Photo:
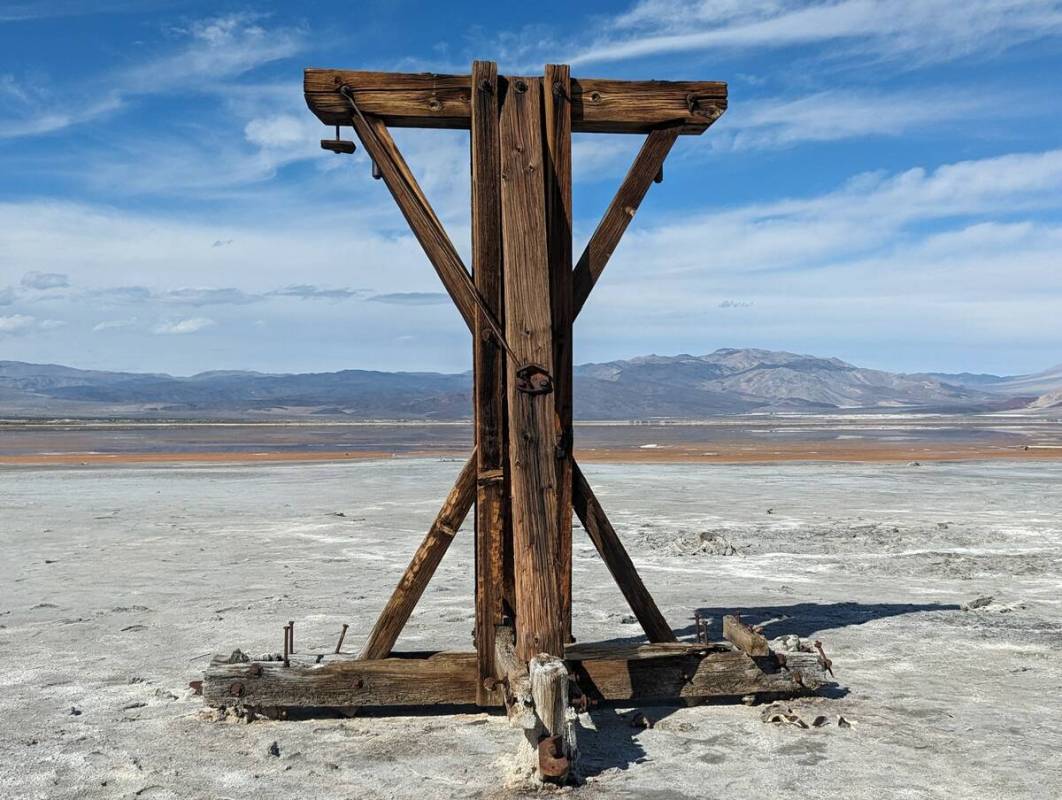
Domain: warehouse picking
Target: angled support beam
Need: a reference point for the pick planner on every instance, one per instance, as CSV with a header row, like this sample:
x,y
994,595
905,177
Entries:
x,y
418,212
423,565
612,552
493,534
646,167
557,106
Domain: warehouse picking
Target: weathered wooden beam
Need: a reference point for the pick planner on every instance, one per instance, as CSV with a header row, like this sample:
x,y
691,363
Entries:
x,y
423,565
554,740
744,638
449,678
558,176
427,100
643,172
441,679
492,506
532,417
515,681
583,651
619,564
414,205
717,674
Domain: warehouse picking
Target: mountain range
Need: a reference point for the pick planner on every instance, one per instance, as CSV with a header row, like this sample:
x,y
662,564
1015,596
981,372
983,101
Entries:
x,y
727,381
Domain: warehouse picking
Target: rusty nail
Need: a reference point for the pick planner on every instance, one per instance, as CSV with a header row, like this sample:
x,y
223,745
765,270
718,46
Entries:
x,y
342,635
823,660
291,636
236,689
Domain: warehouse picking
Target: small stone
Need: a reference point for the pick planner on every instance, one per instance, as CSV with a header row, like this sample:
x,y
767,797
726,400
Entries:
x,y
979,602
628,619
75,711
274,749
819,721
842,722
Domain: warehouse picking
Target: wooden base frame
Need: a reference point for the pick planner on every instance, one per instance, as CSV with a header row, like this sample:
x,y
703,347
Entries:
x,y
519,301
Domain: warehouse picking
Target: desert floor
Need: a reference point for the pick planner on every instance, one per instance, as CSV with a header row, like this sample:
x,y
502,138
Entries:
x,y
118,582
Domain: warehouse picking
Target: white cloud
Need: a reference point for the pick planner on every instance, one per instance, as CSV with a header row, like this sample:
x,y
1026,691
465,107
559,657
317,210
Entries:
x,y
113,324
911,31
280,130
191,325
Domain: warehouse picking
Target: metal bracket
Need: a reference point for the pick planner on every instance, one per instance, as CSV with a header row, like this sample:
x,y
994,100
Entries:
x,y
533,379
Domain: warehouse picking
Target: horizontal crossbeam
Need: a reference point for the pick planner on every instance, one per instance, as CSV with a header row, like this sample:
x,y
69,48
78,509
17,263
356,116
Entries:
x,y
450,678
427,100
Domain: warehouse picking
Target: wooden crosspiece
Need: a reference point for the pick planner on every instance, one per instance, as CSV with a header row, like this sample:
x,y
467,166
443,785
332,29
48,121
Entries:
x,y
519,300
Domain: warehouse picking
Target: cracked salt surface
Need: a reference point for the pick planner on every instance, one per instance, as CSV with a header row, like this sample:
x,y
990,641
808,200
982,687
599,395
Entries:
x,y
874,560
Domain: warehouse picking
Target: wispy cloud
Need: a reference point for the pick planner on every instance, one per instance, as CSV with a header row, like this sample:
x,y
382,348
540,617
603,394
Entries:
x,y
114,325
210,51
18,324
45,280
182,326
411,298
908,31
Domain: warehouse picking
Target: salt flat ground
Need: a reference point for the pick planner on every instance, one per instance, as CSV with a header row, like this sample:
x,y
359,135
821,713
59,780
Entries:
x,y
117,582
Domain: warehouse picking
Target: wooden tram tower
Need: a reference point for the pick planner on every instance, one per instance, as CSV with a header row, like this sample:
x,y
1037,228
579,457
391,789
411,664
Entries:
x,y
519,301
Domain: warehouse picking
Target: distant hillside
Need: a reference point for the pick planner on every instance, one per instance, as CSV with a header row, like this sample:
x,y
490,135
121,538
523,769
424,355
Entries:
x,y
724,382
1050,380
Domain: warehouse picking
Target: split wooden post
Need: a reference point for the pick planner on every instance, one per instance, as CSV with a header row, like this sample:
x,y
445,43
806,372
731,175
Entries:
x,y
528,329
558,174
493,535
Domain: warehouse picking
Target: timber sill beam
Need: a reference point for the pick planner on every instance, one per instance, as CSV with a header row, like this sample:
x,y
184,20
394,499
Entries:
x,y
427,100
450,678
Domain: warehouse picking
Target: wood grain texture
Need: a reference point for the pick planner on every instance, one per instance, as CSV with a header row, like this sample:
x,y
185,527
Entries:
x,y
449,678
426,227
532,418
557,119
492,506
619,564
515,680
427,100
441,679
744,638
583,651
423,565
731,674
647,165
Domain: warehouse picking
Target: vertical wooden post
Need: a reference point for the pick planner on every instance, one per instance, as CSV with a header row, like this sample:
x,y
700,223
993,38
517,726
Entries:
x,y
489,370
529,331
556,100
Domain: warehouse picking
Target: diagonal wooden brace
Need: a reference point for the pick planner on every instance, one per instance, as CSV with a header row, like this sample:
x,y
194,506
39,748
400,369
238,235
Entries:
x,y
612,552
418,212
646,167
423,565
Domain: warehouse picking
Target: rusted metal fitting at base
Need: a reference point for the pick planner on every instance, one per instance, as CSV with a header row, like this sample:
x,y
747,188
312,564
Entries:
x,y
236,689
824,662
533,379
552,763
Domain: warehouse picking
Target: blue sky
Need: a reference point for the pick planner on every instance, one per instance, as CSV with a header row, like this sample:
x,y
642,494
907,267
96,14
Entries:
x,y
886,186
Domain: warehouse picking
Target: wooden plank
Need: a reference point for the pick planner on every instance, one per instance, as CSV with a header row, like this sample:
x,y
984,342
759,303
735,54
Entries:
x,y
449,678
532,417
549,691
744,638
381,148
647,165
427,100
492,508
612,651
423,565
441,679
612,552
558,177
731,674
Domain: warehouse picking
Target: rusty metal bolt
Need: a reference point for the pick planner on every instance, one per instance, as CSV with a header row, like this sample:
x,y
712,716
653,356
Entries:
x,y
236,689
